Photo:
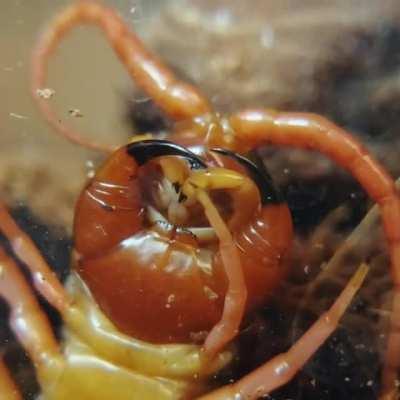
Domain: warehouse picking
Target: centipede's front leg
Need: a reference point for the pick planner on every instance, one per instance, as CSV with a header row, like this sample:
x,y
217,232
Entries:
x,y
177,99
257,127
280,370
235,299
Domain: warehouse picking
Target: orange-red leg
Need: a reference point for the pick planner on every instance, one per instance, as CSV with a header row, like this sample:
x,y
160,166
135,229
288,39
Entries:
x,y
309,131
44,279
27,320
178,99
8,389
283,367
235,299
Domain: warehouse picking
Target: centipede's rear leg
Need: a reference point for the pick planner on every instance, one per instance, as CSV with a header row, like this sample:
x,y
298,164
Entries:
x,y
309,131
177,99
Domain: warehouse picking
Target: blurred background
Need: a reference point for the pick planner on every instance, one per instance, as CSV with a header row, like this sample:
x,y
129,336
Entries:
x,y
340,58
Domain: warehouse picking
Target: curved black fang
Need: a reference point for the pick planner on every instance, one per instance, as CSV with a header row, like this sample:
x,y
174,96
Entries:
x,y
259,174
146,150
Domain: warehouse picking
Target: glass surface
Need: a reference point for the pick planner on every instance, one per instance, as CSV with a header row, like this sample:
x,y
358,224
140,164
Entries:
x,y
339,59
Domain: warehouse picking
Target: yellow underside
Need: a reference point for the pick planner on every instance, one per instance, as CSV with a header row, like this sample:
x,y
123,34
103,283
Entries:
x,y
88,377
101,363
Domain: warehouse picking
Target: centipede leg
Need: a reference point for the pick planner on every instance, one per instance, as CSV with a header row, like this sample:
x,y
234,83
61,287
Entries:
x,y
9,390
44,279
26,319
309,131
235,300
179,100
281,369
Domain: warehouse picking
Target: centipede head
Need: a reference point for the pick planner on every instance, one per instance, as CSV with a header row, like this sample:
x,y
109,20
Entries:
x,y
148,253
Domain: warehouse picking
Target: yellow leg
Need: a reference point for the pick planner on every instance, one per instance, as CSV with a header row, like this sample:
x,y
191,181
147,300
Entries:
x,y
235,299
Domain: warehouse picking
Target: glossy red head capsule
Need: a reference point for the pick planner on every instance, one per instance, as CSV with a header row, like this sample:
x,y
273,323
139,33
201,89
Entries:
x,y
162,280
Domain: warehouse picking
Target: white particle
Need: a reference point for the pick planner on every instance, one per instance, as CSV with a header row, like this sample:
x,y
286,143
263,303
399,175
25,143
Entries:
x,y
171,298
267,37
45,93
281,368
18,116
75,112
210,293
90,169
